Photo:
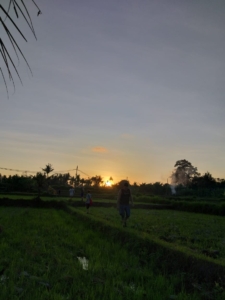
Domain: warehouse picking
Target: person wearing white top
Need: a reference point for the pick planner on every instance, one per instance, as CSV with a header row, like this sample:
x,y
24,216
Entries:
x,y
71,192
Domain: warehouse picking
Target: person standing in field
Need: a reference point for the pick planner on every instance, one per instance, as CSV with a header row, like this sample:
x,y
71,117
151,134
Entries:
x,y
71,192
123,202
88,201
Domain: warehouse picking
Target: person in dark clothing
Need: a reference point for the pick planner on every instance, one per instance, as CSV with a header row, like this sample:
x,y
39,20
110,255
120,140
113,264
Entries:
x,y
123,203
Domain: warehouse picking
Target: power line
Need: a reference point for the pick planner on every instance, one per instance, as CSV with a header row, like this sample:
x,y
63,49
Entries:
x,y
18,170
65,171
84,173
72,170
26,171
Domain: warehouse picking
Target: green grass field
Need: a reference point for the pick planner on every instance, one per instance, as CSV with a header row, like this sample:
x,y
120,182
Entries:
x,y
200,233
40,247
38,260
49,198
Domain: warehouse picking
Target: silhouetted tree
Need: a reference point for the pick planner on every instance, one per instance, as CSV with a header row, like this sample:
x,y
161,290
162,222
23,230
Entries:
x,y
77,180
88,182
48,169
205,181
183,173
40,180
97,180
82,181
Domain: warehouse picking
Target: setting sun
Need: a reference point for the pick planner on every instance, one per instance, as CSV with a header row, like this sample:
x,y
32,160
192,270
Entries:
x,y
108,182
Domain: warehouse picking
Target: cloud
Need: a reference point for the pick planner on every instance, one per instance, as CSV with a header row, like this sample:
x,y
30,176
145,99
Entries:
x,y
99,149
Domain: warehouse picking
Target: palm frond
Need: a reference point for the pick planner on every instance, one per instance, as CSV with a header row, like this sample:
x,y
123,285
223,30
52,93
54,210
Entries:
x,y
8,61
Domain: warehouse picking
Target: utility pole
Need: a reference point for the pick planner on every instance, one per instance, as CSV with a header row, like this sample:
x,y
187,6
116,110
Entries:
x,y
76,176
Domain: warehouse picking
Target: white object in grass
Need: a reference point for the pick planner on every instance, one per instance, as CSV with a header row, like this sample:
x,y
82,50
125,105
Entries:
x,y
84,262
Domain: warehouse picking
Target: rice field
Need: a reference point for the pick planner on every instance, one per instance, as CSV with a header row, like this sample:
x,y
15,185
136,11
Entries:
x,y
199,233
41,253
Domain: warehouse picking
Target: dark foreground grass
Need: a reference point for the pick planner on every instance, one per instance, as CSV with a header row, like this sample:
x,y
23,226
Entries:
x,y
38,260
74,199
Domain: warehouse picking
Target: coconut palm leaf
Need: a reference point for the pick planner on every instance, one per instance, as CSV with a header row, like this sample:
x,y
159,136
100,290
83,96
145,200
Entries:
x,y
5,83
19,7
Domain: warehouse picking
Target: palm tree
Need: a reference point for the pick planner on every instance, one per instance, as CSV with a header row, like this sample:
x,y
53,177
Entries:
x,y
40,180
48,169
19,9
111,179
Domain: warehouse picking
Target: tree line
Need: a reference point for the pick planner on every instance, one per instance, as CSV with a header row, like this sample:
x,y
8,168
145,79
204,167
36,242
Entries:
x,y
184,180
47,182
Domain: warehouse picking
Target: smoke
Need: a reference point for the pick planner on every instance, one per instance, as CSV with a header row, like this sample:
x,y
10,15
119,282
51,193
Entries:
x,y
173,189
179,176
182,175
172,183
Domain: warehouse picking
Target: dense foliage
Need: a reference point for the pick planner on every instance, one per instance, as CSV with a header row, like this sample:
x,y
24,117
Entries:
x,y
200,186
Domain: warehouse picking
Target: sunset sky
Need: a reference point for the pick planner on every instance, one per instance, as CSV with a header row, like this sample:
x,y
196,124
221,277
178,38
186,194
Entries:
x,y
119,88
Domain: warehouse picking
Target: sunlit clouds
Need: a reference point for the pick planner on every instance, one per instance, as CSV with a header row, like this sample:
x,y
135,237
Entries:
x,y
99,149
